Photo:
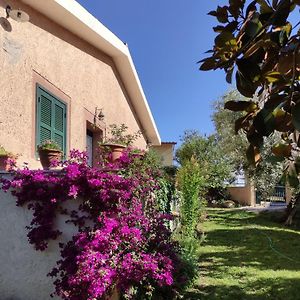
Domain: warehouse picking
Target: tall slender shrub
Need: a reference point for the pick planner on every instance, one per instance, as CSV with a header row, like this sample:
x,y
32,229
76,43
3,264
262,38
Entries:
x,y
189,181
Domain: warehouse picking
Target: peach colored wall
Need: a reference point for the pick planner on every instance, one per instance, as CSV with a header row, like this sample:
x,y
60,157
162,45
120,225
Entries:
x,y
166,153
79,71
243,195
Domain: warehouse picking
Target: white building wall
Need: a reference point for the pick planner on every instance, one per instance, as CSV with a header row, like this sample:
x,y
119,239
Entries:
x,y
23,270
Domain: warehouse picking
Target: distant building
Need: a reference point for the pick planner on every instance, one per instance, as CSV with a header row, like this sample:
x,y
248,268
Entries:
x,y
166,152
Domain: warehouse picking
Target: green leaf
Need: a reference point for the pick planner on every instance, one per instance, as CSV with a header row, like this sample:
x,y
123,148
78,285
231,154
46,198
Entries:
x,y
208,64
296,116
264,122
255,139
252,28
285,34
283,120
274,101
240,105
224,38
218,28
282,13
250,70
244,86
222,14
265,8
212,13
255,47
273,76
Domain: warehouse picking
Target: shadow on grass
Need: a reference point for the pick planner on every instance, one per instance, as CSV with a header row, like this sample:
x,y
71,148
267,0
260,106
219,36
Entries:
x,y
237,261
263,289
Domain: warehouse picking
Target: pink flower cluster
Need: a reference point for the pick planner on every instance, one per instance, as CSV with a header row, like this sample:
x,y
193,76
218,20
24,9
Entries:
x,y
122,241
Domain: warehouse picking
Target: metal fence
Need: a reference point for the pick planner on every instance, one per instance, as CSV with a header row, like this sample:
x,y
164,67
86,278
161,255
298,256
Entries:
x,y
278,196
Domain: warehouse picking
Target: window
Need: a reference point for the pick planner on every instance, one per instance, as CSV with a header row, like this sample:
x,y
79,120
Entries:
x,y
94,135
89,146
51,114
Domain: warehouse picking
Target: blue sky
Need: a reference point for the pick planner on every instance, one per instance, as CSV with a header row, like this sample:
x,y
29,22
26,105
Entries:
x,y
166,39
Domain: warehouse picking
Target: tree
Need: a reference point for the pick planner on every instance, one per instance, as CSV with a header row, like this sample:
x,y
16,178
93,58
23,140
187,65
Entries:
x,y
233,145
215,167
268,173
258,42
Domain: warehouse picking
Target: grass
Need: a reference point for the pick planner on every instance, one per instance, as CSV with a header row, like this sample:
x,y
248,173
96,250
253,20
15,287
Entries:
x,y
237,262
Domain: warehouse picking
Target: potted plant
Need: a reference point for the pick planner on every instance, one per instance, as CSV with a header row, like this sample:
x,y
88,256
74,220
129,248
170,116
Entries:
x,y
118,140
4,159
50,153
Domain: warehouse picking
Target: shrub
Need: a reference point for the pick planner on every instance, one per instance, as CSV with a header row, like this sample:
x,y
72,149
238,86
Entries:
x,y
190,182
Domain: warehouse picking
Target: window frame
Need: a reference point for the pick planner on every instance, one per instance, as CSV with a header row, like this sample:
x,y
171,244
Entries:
x,y
39,89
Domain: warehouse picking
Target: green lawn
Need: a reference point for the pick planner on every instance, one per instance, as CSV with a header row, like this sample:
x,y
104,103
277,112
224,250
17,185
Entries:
x,y
237,262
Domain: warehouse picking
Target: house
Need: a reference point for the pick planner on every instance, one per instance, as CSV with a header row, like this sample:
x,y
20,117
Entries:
x,y
165,151
59,71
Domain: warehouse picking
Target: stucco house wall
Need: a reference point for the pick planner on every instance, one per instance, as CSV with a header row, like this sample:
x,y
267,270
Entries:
x,y
40,51
24,270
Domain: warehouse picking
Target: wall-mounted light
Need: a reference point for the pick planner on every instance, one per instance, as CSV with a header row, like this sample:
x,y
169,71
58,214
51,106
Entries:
x,y
16,14
98,114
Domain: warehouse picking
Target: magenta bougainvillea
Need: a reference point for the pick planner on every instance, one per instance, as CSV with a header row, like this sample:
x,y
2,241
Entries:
x,y
122,241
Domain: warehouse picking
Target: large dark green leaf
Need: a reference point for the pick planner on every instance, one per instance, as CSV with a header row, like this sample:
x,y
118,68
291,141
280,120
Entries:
x,y
275,100
264,122
221,14
296,116
252,28
250,70
264,7
255,139
235,6
224,38
283,120
282,13
240,105
208,64
244,86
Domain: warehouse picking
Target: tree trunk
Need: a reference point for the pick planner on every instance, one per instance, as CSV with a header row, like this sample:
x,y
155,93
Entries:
x,y
291,210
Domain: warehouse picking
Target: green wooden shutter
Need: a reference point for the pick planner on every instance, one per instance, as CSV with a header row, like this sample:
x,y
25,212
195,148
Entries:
x,y
51,119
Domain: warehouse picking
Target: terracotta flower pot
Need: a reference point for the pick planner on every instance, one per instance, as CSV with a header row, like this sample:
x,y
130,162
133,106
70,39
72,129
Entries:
x,y
48,156
4,166
116,151
115,295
